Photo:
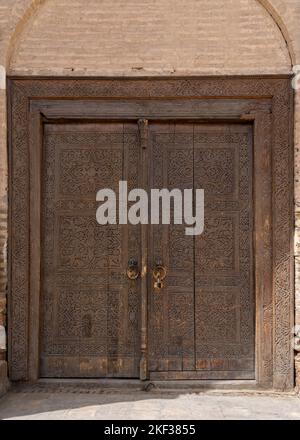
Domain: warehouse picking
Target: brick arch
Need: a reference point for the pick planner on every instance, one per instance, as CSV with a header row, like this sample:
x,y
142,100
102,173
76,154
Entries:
x,y
19,20
273,11
32,7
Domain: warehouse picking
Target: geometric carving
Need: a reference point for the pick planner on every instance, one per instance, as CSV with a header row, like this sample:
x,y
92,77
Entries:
x,y
82,171
216,169
217,248
83,245
218,319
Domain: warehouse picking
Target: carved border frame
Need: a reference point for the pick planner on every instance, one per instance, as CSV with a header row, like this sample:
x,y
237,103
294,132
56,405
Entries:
x,y
276,314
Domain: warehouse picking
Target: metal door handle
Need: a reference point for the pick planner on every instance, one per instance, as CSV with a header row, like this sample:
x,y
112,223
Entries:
x,y
159,274
132,270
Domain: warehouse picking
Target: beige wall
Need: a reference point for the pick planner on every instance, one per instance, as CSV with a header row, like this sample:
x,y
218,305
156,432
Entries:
x,y
150,37
144,37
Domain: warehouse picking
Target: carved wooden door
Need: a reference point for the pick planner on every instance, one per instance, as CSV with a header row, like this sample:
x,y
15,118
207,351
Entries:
x,y
201,322
90,309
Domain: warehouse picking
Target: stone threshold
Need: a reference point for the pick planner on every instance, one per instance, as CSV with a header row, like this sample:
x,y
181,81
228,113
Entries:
x,y
99,386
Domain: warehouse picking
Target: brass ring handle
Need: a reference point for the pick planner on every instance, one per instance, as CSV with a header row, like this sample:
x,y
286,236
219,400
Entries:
x,y
132,270
159,274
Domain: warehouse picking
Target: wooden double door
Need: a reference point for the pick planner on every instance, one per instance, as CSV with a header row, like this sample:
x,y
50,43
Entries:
x,y
95,321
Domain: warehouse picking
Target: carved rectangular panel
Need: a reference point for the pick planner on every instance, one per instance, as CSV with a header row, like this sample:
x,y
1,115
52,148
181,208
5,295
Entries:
x,y
202,321
90,310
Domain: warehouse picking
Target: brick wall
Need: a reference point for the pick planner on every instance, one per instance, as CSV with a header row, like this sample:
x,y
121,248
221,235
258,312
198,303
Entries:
x,y
144,37
150,37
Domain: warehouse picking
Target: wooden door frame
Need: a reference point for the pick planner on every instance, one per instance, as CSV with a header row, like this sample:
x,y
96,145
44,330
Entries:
x,y
266,101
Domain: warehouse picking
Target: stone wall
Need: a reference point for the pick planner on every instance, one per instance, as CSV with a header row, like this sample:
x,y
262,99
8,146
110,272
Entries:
x,y
144,37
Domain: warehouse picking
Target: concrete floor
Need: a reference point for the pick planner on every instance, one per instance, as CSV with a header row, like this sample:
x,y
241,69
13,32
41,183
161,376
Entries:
x,y
159,405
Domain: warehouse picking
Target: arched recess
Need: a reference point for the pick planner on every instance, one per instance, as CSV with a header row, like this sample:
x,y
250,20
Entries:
x,y
34,7
278,19
30,7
